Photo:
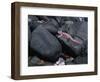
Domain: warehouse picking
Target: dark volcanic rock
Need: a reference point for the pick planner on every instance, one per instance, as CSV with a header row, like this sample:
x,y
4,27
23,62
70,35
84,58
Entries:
x,y
67,49
45,44
50,27
79,32
35,61
32,25
46,22
81,60
29,35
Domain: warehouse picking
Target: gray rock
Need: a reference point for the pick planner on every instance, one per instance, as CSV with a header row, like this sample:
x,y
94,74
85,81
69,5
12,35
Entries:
x,y
35,61
29,35
81,60
45,44
32,18
46,22
50,27
32,25
79,32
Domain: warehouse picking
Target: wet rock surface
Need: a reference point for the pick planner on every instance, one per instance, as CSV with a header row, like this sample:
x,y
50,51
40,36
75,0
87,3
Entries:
x,y
46,48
